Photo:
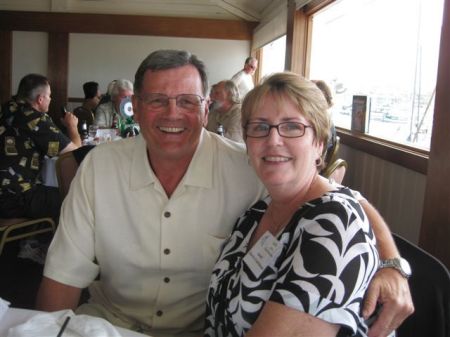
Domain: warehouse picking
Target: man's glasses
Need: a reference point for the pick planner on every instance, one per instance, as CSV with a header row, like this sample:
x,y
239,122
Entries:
x,y
188,102
285,129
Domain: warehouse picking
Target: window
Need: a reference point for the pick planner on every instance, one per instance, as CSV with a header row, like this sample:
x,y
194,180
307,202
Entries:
x,y
273,55
387,51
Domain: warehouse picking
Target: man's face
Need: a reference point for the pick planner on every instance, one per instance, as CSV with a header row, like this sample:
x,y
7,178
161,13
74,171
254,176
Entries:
x,y
44,99
219,96
171,133
251,67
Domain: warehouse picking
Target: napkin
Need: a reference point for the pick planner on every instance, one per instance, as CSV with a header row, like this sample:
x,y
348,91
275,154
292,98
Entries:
x,y
3,307
49,324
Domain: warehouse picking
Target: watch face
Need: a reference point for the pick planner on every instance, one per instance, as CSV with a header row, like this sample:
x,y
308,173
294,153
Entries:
x,y
404,265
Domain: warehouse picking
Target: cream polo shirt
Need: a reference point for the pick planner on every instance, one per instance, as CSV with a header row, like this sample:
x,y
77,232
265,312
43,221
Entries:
x,y
244,82
154,254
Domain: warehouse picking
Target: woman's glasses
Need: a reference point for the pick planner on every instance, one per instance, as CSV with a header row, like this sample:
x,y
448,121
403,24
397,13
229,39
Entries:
x,y
285,129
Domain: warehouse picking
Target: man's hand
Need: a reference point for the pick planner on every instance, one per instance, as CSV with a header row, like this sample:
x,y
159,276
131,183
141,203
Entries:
x,y
390,289
69,120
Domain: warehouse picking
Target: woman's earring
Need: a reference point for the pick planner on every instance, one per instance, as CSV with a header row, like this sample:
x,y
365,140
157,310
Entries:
x,y
319,162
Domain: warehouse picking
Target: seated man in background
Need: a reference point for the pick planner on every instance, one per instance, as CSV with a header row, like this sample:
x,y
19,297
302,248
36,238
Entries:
x,y
27,135
85,112
107,114
150,213
225,110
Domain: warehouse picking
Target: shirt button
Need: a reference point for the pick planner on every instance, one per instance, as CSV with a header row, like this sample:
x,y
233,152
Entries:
x,y
159,313
166,279
167,251
167,214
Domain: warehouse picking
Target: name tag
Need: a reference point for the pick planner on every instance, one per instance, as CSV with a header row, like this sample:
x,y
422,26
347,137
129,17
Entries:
x,y
263,254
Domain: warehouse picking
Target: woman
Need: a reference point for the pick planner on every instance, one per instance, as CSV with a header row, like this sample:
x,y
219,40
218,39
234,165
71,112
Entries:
x,y
298,262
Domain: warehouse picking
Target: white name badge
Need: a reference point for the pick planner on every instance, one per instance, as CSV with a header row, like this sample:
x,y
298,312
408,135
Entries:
x,y
263,253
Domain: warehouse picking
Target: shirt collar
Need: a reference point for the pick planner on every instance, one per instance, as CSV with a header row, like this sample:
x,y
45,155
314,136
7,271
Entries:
x,y
199,173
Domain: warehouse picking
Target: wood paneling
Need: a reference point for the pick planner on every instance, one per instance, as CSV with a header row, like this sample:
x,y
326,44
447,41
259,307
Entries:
x,y
127,25
58,67
435,231
296,40
5,65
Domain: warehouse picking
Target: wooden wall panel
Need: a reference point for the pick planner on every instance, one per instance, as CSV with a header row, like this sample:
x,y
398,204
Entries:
x,y
435,231
127,25
58,58
5,65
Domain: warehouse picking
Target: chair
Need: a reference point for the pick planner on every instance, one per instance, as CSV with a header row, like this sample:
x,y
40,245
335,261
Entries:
x,y
66,168
430,289
335,167
20,228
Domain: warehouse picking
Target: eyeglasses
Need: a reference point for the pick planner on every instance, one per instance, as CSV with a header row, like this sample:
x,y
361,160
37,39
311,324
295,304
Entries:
x,y
285,129
188,102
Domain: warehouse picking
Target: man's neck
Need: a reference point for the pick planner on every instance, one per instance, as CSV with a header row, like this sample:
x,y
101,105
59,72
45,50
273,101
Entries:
x,y
169,172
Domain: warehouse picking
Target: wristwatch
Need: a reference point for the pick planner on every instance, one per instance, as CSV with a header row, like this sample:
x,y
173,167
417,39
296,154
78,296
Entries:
x,y
399,264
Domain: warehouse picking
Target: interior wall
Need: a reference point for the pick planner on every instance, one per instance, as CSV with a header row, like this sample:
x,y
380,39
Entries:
x,y
397,192
104,57
29,55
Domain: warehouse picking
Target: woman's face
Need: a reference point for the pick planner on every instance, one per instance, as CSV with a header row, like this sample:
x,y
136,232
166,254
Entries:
x,y
279,161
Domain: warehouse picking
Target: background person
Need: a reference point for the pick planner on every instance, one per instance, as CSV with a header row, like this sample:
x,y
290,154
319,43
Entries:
x,y
149,213
85,112
322,250
225,110
244,78
27,136
107,114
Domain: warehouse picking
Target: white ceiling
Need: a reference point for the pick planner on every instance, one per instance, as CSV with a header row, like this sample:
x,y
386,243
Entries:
x,y
249,10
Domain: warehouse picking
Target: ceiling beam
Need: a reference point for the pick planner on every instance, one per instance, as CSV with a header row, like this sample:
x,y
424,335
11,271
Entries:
x,y
235,9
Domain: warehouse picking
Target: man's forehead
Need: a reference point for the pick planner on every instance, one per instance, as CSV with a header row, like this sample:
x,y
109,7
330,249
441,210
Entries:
x,y
178,76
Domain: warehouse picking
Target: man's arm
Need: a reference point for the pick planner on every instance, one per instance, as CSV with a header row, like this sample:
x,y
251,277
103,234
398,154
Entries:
x,y
70,121
54,296
388,287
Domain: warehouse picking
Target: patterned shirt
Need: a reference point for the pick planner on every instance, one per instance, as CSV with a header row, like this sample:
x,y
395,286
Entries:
x,y
327,260
26,137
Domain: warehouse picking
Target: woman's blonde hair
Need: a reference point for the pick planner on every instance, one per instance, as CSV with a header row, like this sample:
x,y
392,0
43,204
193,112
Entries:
x,y
302,92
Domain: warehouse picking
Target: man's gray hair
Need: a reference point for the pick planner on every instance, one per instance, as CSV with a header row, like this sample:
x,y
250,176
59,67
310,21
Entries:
x,y
123,84
232,90
169,59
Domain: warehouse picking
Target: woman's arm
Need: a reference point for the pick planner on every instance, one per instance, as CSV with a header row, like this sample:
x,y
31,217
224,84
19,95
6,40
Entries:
x,y
388,287
279,320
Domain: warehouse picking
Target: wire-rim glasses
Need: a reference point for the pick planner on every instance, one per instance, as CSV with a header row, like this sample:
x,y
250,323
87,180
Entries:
x,y
157,102
285,129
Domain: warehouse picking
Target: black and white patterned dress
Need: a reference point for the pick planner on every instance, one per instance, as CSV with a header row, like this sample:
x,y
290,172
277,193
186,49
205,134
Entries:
x,y
327,261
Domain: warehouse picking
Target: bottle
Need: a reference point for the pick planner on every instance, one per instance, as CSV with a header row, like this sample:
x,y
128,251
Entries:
x,y
84,133
220,130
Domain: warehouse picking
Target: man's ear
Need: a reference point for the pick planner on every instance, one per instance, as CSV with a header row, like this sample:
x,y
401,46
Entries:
x,y
135,102
205,117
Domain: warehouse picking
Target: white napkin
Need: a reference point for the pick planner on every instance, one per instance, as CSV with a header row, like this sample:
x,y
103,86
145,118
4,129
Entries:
x,y
49,324
4,305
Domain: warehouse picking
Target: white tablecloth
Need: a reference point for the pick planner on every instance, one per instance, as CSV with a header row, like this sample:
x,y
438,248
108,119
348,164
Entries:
x,y
15,316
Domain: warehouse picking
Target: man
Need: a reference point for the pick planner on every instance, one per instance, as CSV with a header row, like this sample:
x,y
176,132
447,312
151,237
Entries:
x,y
150,213
27,135
85,112
225,110
244,78
107,114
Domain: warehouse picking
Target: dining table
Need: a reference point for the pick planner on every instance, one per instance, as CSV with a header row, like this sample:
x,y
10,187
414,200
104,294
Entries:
x,y
16,316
